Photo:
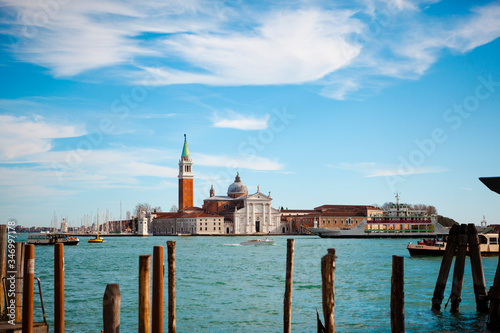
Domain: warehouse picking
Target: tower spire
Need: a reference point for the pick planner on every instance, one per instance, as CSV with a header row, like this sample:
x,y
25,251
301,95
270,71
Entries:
x,y
185,150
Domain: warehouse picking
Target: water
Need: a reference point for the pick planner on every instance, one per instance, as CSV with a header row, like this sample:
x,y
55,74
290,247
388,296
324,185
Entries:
x,y
224,287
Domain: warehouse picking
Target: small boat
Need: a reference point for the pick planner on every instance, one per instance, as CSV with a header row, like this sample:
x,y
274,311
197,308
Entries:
x,y
51,239
488,245
97,239
264,241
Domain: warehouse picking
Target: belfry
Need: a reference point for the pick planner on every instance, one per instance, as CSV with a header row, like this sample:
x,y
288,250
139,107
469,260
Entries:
x,y
185,178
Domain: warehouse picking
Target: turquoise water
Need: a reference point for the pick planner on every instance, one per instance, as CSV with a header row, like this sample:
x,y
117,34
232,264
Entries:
x,y
224,287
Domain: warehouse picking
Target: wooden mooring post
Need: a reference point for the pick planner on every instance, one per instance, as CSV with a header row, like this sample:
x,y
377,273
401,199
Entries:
x,y
287,302
477,270
171,286
328,289
20,248
158,271
59,288
111,308
3,253
28,288
397,295
494,296
145,293
444,271
458,272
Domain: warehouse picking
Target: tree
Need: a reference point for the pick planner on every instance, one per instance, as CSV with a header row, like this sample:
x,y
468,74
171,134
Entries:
x,y
446,221
173,209
142,207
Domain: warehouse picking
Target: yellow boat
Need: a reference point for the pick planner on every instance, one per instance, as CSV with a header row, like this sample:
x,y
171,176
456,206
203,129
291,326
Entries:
x,y
97,239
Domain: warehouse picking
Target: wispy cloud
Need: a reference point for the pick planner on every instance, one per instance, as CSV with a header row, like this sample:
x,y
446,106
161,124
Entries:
x,y
231,119
21,136
372,169
399,172
335,48
244,161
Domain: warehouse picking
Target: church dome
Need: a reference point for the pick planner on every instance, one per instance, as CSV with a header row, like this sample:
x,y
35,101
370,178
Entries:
x,y
237,188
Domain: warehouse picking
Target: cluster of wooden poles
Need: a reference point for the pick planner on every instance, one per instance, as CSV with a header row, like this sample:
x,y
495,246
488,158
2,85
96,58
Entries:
x,y
463,240
151,312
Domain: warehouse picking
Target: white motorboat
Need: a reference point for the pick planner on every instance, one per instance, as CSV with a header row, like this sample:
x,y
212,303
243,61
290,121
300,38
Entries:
x,y
264,241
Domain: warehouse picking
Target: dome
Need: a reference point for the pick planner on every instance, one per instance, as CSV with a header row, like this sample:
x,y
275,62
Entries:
x,y
237,188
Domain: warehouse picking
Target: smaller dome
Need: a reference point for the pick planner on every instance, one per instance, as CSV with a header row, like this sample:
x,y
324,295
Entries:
x,y
237,188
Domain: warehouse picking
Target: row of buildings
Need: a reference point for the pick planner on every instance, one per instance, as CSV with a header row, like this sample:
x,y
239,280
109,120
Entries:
x,y
240,213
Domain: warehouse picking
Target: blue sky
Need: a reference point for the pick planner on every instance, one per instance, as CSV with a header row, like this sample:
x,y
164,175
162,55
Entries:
x,y
317,102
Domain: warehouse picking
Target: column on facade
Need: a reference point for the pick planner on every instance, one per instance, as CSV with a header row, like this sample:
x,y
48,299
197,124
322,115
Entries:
x,y
252,225
264,223
248,219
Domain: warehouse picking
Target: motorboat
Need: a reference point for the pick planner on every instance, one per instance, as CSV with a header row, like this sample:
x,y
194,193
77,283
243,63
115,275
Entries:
x,y
97,239
264,241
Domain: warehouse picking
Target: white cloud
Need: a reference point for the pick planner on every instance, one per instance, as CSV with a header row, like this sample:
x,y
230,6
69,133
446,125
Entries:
x,y
22,136
372,169
238,121
216,43
400,172
244,161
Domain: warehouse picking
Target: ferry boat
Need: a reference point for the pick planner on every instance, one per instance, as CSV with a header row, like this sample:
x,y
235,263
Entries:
x,y
396,221
51,239
488,245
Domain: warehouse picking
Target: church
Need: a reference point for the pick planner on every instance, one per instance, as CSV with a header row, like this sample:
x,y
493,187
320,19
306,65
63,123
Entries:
x,y
237,213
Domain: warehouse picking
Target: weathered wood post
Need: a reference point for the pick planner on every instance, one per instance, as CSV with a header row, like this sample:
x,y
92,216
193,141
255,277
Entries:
x,y
494,296
328,289
397,295
158,271
477,270
145,293
59,288
458,272
111,308
20,249
444,271
14,281
3,252
28,288
171,286
287,303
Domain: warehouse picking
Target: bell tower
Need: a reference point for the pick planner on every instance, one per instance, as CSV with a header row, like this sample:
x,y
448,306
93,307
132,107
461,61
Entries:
x,y
185,178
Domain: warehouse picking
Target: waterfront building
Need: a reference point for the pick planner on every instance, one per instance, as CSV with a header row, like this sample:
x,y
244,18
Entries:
x,y
330,216
142,225
64,226
238,212
249,213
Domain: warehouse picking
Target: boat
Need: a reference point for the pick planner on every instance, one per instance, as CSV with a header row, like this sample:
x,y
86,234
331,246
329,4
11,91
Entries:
x,y
396,221
97,239
488,245
51,239
264,241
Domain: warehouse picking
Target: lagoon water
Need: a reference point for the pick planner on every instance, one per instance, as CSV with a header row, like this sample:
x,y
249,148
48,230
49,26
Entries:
x,y
222,286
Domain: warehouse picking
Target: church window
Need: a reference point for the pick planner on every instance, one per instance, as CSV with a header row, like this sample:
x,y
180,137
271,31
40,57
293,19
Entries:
x,y
341,221
328,221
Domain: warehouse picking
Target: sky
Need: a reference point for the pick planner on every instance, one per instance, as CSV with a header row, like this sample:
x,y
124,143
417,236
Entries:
x,y
317,102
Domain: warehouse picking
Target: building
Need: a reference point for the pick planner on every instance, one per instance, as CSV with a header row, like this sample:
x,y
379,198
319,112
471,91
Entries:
x,y
235,213
329,216
185,178
248,213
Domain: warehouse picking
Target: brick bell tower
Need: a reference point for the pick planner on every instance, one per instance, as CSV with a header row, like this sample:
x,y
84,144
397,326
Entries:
x,y
185,178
